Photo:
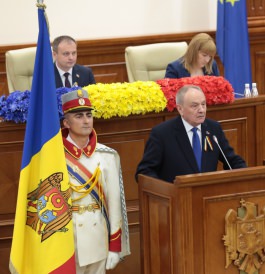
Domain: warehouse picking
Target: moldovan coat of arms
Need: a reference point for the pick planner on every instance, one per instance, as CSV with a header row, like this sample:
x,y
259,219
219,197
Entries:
x,y
244,239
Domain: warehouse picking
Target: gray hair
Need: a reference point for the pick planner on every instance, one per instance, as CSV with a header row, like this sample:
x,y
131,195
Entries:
x,y
183,90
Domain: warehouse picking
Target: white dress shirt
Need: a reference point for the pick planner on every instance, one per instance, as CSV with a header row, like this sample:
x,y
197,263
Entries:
x,y
189,128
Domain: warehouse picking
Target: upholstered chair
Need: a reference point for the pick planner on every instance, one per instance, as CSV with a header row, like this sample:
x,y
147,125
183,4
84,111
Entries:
x,y
149,62
19,68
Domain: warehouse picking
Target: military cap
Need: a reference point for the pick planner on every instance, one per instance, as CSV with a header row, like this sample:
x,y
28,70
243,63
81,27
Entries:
x,y
76,100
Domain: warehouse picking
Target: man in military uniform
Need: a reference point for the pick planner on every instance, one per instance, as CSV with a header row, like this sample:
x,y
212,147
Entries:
x,y
99,212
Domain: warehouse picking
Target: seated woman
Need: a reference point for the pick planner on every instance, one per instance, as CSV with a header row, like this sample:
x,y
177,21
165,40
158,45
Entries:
x,y
198,59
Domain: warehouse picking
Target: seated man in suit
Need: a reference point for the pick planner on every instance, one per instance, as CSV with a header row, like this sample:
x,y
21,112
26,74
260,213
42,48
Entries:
x,y
170,150
67,72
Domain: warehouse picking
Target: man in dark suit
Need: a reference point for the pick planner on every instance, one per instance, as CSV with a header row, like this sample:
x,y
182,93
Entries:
x,y
169,152
67,72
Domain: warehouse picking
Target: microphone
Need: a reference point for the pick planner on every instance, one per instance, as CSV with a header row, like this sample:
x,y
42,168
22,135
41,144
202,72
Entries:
x,y
216,141
239,94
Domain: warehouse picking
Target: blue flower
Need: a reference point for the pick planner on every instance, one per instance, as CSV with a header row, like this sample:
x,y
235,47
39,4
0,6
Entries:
x,y
14,107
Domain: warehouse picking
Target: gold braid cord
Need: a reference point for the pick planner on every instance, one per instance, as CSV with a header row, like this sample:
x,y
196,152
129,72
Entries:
x,y
81,188
43,6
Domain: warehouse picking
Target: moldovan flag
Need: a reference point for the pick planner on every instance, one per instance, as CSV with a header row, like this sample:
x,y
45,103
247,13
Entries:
x,y
233,43
43,239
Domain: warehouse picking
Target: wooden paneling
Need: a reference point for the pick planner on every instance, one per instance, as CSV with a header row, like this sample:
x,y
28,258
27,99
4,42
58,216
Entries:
x,y
107,60
259,60
195,208
242,121
110,73
256,8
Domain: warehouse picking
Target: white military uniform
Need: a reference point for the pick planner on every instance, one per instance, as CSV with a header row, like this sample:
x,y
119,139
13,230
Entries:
x,y
92,240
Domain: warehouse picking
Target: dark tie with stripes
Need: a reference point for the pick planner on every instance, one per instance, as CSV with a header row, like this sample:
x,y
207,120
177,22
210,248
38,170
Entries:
x,y
67,83
196,145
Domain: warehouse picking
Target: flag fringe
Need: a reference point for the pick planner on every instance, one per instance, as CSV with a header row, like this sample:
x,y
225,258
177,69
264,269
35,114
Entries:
x,y
12,268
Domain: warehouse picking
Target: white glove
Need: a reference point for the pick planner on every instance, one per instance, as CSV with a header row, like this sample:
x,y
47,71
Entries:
x,y
112,260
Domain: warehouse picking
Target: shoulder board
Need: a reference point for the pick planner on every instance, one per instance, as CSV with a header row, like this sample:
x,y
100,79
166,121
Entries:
x,y
106,149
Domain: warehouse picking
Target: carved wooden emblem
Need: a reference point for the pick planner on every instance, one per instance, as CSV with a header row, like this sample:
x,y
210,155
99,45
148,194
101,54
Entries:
x,y
244,239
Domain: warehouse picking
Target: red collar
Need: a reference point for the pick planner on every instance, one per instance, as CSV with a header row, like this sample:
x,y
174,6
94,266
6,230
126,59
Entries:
x,y
74,150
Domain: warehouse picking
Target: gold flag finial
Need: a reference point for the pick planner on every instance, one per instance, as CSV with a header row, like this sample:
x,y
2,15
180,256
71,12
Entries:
x,y
40,4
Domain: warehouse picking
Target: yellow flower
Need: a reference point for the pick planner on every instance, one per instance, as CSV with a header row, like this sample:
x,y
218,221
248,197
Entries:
x,y
124,99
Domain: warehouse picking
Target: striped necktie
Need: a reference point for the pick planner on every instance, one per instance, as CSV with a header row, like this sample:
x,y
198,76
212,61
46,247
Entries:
x,y
67,82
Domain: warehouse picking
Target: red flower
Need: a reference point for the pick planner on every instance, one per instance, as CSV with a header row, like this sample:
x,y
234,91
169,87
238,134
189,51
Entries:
x,y
217,90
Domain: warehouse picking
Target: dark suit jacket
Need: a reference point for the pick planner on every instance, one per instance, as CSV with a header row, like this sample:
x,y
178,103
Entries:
x,y
177,70
169,153
83,76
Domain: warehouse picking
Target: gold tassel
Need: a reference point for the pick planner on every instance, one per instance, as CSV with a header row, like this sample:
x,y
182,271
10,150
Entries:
x,y
81,189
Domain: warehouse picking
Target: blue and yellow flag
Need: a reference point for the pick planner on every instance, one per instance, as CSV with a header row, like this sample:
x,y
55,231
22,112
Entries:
x,y
43,239
233,43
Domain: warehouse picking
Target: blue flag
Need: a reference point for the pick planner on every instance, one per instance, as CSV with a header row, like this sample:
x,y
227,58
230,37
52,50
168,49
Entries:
x,y
43,229
233,43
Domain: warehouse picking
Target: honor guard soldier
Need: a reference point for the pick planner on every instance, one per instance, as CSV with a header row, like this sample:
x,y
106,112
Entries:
x,y
99,211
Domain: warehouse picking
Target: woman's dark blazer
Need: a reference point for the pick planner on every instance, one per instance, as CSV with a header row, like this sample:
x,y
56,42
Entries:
x,y
177,70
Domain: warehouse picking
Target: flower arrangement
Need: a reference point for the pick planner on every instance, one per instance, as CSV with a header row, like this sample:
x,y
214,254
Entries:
x,y
124,99
15,106
217,90
109,100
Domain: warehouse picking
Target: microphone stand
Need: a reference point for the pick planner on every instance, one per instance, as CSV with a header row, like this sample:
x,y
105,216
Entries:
x,y
216,141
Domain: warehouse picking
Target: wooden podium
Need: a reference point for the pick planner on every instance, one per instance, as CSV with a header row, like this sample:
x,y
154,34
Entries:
x,y
183,224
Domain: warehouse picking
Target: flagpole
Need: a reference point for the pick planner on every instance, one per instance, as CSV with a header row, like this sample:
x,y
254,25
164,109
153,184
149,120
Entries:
x,y
41,5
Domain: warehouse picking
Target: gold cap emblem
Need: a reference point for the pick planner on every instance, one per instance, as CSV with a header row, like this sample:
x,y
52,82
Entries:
x,y
81,101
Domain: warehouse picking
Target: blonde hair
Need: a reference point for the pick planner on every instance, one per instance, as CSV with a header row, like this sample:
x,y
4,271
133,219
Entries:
x,y
200,42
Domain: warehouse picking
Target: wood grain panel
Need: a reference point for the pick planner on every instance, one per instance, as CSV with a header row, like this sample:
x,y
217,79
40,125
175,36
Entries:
x,y
5,245
133,149
206,198
260,133
255,8
159,215
236,133
157,208
10,161
214,211
260,68
110,73
184,245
